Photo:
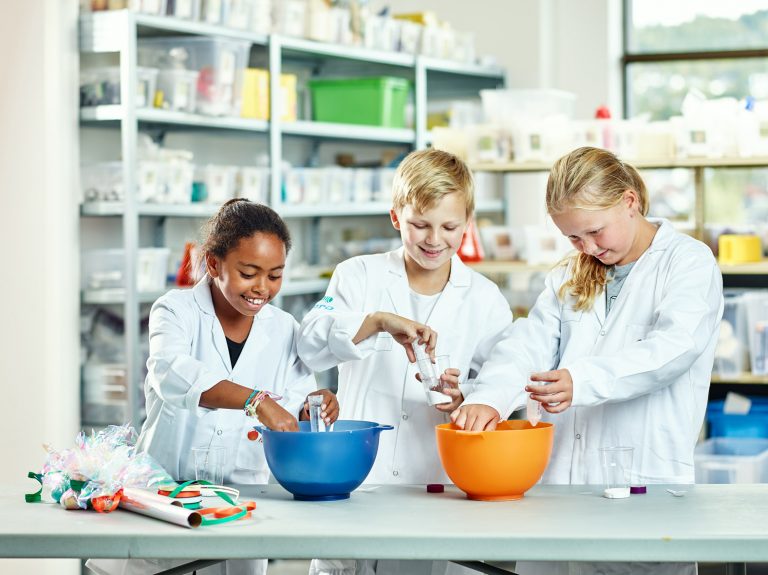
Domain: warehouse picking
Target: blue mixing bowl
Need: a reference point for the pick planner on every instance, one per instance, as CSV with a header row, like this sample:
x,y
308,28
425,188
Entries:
x,y
322,466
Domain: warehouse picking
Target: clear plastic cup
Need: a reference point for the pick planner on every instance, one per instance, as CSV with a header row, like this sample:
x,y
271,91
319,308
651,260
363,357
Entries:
x,y
617,470
430,377
316,422
209,463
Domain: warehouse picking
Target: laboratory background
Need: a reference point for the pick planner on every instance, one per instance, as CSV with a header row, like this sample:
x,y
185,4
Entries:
x,y
104,189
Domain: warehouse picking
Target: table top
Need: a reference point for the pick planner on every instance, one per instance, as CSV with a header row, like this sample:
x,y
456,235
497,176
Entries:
x,y
727,523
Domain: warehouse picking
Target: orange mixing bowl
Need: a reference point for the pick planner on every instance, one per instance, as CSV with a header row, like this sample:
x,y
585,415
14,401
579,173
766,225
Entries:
x,y
495,465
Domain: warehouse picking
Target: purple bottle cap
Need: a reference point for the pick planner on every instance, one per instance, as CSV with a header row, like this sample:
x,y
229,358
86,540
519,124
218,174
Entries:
x,y
637,489
435,488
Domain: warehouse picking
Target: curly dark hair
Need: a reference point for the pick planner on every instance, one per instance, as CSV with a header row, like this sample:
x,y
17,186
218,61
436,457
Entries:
x,y
237,219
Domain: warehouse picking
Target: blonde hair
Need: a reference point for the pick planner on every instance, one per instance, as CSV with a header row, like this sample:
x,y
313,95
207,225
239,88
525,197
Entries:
x,y
590,179
425,176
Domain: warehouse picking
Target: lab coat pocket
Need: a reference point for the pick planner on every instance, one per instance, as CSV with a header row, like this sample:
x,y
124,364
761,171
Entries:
x,y
636,332
384,342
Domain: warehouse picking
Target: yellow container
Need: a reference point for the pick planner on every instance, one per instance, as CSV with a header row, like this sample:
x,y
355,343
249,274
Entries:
x,y
739,249
256,95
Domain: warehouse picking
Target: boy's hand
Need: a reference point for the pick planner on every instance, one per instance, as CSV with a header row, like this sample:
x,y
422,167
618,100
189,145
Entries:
x,y
406,331
329,408
273,416
558,391
476,417
450,387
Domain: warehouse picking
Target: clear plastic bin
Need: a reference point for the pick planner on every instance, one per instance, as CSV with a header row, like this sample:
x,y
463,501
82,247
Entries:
x,y
103,269
219,182
731,460
507,106
178,89
186,9
220,63
101,87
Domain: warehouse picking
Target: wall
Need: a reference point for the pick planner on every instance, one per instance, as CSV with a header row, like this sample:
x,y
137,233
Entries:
x,y
39,341
574,46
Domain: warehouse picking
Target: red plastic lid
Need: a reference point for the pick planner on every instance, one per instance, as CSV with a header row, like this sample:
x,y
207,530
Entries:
x,y
435,488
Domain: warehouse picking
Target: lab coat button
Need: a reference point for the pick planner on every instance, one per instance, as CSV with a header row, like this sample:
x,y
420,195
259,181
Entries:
x,y
218,432
395,473
602,332
405,417
578,436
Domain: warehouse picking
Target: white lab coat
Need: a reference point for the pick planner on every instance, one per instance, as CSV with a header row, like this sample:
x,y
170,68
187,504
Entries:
x,y
640,375
377,383
188,355
376,380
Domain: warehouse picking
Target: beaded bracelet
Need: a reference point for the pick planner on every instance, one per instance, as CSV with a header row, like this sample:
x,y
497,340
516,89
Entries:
x,y
252,405
250,397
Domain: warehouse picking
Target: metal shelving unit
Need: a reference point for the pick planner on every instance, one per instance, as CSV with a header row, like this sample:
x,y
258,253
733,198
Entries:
x,y
118,32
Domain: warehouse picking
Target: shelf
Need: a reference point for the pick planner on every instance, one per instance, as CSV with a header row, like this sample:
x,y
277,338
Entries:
x,y
155,116
348,132
461,68
506,267
104,32
667,163
197,210
116,296
341,210
746,378
291,46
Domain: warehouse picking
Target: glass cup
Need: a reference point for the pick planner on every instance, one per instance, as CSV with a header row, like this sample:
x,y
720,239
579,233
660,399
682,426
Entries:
x,y
430,378
209,463
617,469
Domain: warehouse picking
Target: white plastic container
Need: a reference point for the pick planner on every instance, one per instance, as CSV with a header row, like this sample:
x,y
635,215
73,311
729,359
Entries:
x,y
252,183
732,460
179,89
103,269
219,182
186,9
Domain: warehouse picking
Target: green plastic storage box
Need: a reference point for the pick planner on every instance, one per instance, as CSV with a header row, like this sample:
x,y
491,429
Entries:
x,y
375,101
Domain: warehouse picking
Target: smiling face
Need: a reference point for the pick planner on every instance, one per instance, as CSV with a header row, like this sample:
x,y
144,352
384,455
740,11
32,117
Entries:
x,y
609,235
249,276
432,237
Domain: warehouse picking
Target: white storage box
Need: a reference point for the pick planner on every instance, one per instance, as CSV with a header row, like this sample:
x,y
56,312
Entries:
x,y
732,460
103,269
178,89
187,9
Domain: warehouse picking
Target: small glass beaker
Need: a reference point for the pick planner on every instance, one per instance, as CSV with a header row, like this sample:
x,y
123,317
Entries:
x,y
209,463
617,470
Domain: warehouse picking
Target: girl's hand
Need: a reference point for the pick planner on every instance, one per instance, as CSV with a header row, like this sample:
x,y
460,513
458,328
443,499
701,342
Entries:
x,y
450,386
558,391
477,417
406,331
329,408
275,417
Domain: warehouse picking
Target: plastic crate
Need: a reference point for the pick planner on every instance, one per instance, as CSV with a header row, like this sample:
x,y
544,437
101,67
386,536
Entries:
x,y
731,460
752,424
103,269
375,101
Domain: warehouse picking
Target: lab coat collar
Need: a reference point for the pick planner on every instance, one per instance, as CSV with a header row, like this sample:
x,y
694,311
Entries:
x,y
202,294
460,273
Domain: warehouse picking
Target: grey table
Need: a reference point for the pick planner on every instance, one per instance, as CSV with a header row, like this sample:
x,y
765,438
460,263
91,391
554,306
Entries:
x,y
711,523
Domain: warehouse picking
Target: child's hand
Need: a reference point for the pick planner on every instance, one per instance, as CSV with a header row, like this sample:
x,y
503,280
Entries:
x,y
406,331
329,407
275,417
450,386
558,391
476,417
